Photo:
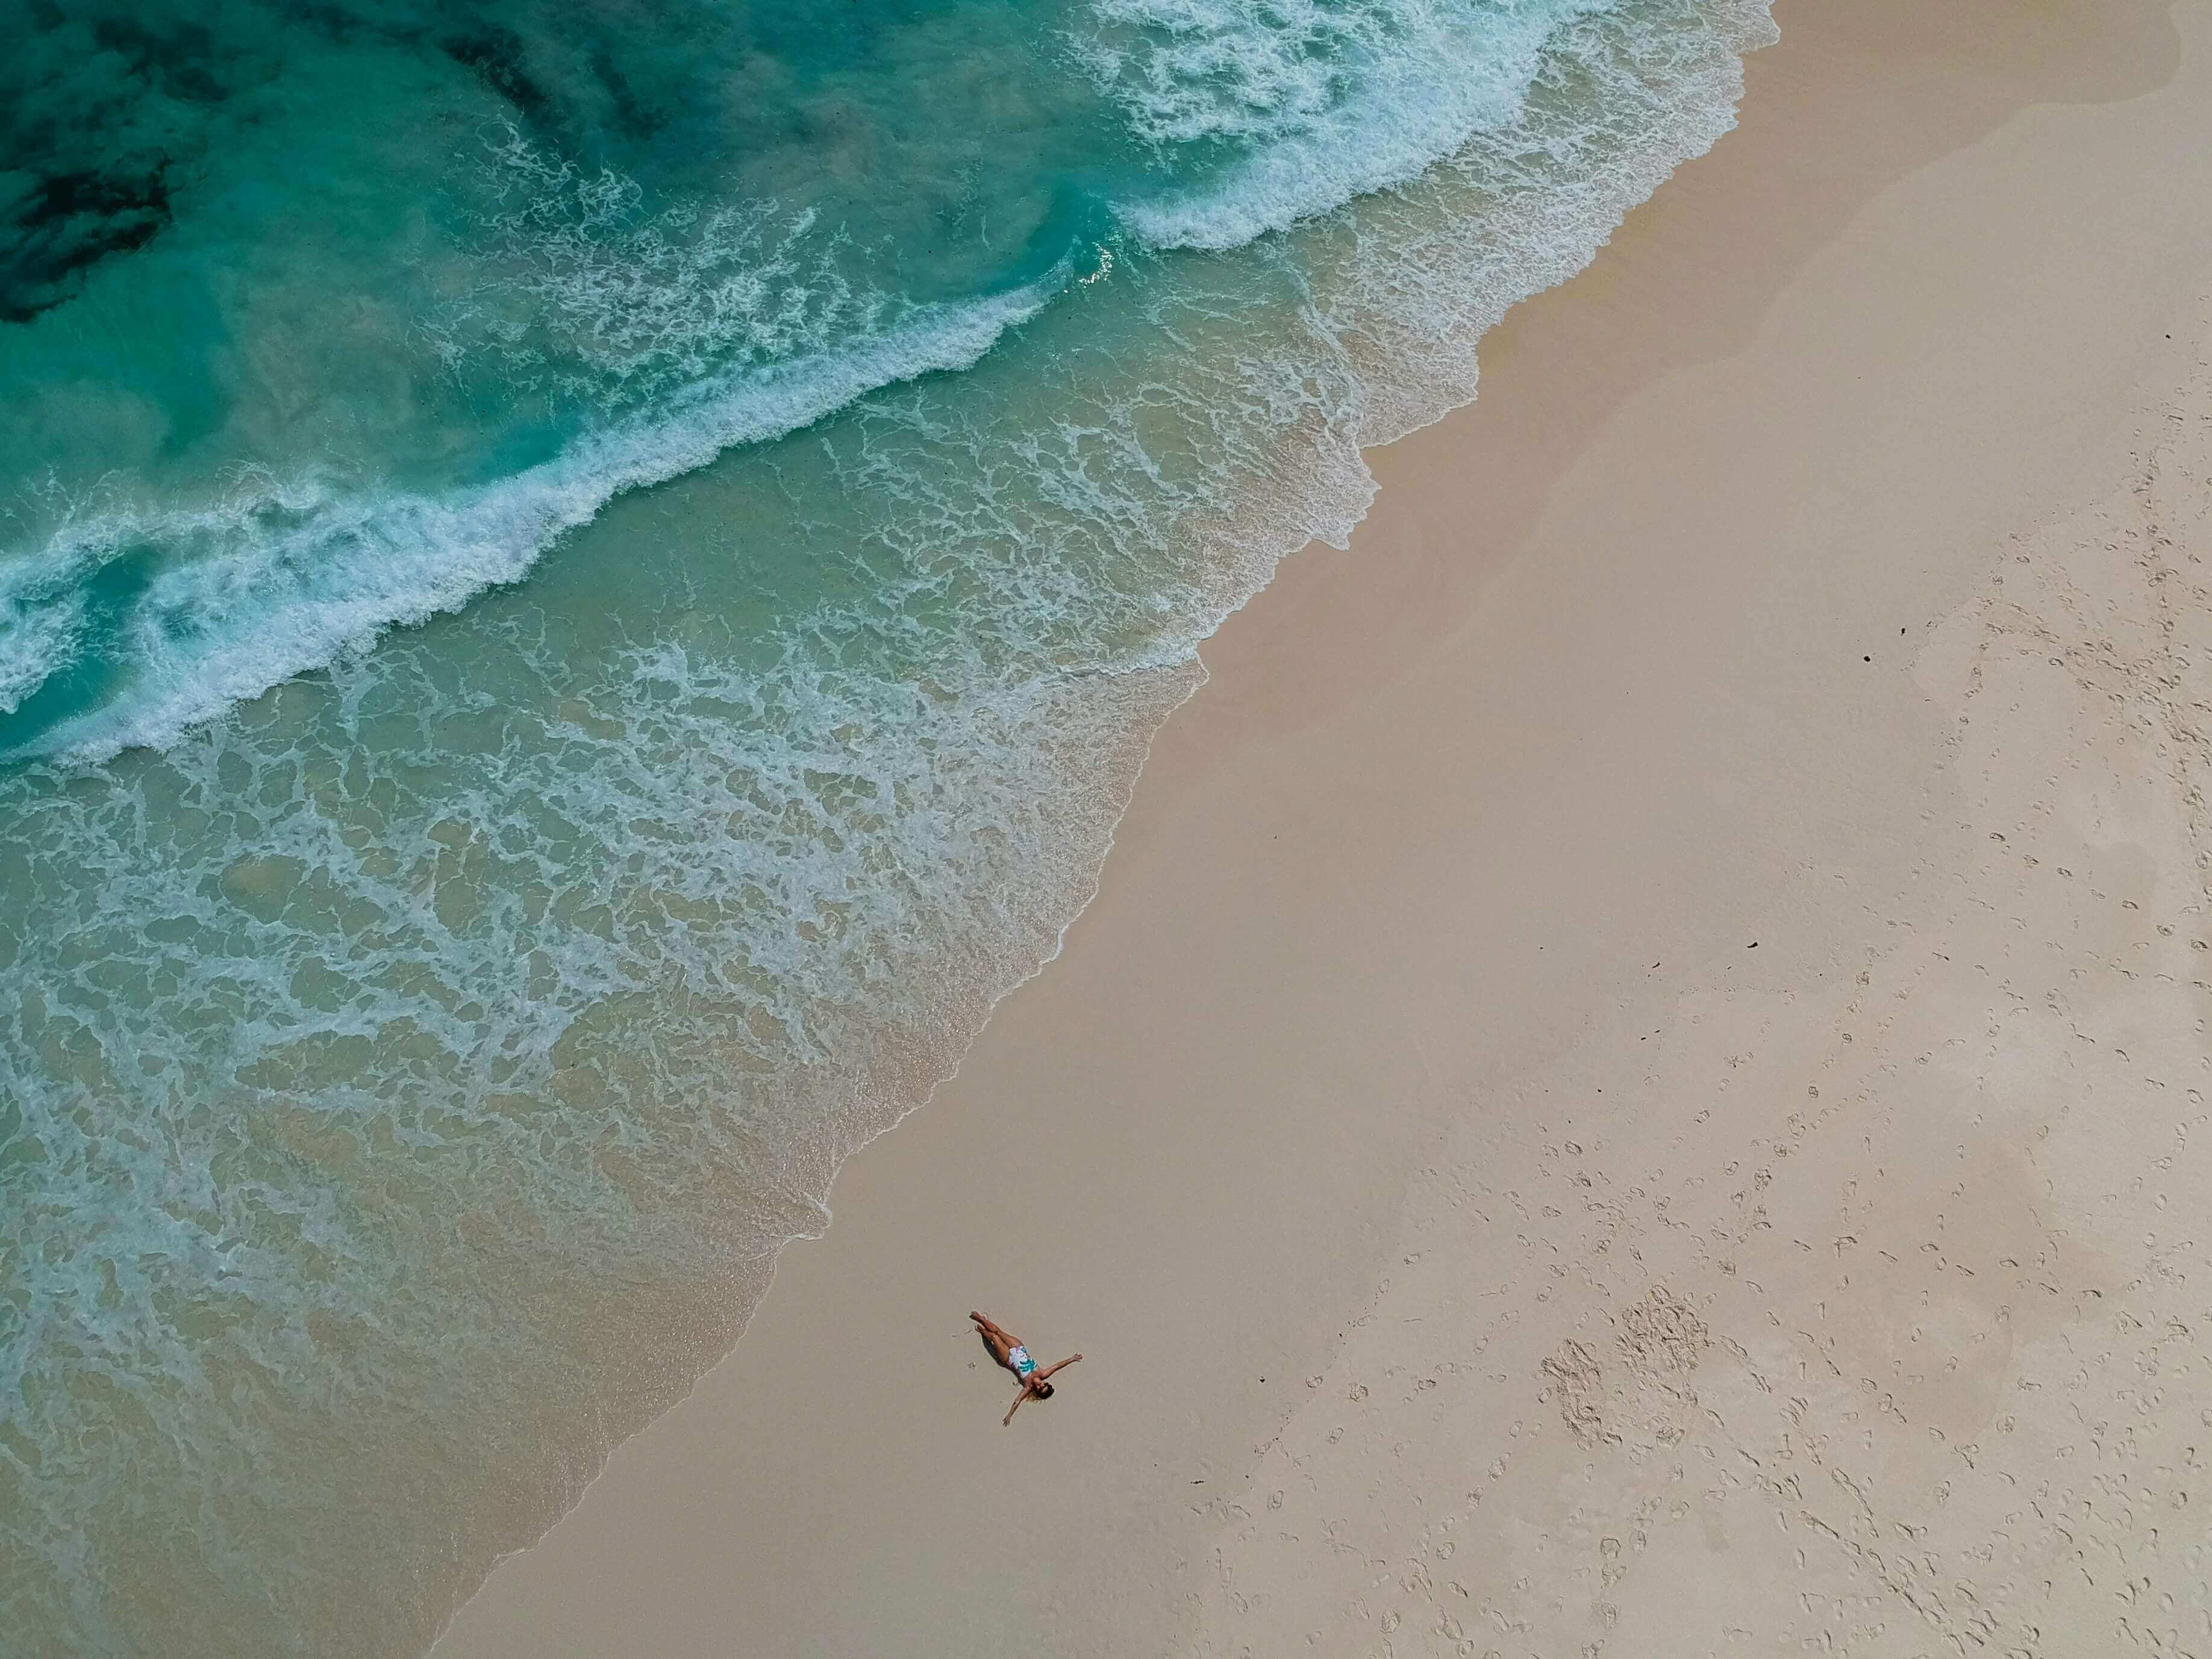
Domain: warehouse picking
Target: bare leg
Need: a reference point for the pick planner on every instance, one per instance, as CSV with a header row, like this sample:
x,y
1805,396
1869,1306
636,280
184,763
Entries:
x,y
1000,1342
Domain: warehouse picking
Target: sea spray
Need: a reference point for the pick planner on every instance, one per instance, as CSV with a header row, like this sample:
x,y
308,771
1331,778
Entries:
x,y
288,576
407,1075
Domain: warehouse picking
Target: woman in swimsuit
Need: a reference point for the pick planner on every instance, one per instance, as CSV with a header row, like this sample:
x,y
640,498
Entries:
x,y
1009,1352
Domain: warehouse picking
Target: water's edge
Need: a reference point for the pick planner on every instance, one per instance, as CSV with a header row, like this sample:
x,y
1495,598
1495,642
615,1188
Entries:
x,y
1196,684
410,1077
1415,413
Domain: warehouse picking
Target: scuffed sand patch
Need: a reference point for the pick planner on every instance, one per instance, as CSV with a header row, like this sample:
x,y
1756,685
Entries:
x,y
1869,1319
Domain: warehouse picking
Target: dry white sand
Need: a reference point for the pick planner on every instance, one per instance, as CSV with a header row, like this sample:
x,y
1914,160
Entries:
x,y
1638,1082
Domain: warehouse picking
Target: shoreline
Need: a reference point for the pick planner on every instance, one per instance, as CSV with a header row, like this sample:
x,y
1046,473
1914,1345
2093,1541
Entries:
x,y
1198,1206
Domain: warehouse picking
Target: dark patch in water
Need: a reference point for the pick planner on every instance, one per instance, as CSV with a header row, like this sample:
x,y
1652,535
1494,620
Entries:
x,y
108,106
494,56
97,109
65,223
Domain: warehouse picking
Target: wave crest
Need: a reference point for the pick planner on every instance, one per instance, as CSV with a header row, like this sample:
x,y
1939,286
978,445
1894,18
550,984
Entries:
x,y
288,576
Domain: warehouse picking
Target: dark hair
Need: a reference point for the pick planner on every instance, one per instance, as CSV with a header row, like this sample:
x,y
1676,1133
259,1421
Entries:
x,y
1044,1391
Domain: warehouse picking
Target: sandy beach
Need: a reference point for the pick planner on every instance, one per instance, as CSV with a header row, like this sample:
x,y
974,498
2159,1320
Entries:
x,y
1637,1081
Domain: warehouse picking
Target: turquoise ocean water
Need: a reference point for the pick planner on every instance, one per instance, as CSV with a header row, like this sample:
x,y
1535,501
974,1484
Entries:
x,y
582,583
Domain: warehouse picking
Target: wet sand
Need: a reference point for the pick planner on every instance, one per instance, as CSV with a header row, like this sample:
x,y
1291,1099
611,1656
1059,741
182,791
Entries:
x,y
1636,1083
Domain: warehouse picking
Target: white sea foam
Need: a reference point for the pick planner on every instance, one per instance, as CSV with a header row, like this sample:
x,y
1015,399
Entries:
x,y
536,984
726,327
1324,103
621,304
41,621
294,575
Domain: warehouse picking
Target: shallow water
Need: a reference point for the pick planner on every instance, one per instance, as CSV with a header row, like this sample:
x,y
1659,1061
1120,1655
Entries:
x,y
580,590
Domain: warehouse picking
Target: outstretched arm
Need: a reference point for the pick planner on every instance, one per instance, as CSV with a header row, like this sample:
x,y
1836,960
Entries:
x,y
1063,1365
1015,1406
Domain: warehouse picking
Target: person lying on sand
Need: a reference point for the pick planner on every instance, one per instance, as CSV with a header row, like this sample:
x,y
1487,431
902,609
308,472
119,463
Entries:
x,y
1008,1350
